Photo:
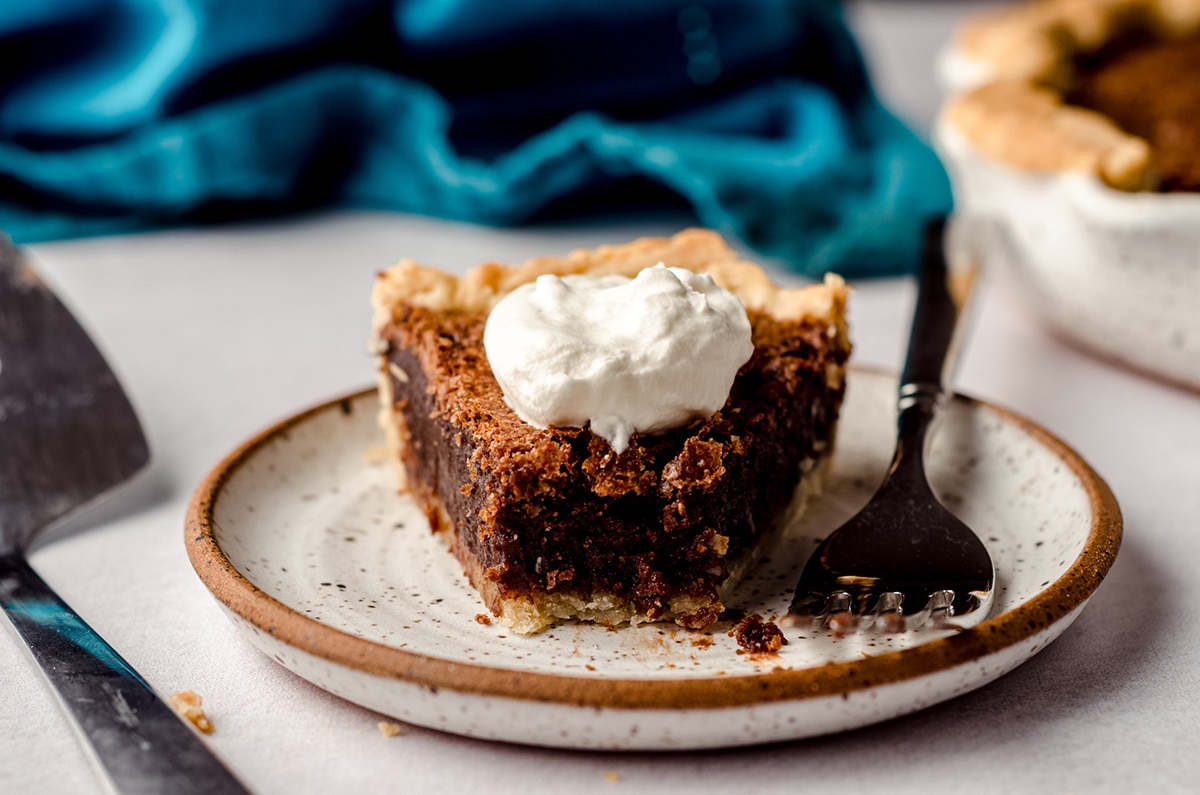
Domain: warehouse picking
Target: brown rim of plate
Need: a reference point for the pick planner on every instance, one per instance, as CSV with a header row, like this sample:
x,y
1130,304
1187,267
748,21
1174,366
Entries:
x,y
1070,591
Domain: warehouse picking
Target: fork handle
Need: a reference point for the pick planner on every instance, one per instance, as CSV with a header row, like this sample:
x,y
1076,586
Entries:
x,y
141,745
935,319
942,296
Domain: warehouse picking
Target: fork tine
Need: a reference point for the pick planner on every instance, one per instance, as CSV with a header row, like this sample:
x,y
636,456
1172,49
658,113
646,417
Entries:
x,y
842,622
837,614
941,607
936,608
808,606
884,614
839,602
819,610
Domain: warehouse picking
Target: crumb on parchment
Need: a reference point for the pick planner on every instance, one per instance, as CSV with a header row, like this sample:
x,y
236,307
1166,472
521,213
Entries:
x,y
189,704
612,777
390,729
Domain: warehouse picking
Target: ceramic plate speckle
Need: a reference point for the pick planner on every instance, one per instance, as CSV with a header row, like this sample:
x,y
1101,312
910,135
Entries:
x,y
301,537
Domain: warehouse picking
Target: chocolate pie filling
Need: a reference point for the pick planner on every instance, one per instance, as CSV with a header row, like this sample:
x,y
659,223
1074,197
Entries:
x,y
1151,89
555,511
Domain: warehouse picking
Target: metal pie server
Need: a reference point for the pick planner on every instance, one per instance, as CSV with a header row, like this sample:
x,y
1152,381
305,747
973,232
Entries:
x,y
68,434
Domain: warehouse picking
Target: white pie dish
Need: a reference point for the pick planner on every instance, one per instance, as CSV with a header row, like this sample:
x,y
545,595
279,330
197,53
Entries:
x,y
1114,271
1117,271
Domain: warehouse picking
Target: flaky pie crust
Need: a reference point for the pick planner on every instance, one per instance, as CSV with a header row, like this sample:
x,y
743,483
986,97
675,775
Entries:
x,y
698,250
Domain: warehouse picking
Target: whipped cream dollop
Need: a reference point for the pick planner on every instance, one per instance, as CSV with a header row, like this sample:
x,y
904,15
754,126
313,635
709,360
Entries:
x,y
639,355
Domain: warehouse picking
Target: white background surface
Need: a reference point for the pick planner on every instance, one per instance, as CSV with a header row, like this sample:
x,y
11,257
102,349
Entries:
x,y
219,333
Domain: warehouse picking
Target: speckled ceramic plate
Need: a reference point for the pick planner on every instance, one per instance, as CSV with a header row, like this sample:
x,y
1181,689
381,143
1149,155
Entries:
x,y
300,535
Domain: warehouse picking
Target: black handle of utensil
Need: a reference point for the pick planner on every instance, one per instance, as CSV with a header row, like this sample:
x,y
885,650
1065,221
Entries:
x,y
139,743
932,352
935,317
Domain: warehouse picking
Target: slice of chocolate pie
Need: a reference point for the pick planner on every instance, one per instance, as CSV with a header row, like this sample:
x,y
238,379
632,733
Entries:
x,y
553,523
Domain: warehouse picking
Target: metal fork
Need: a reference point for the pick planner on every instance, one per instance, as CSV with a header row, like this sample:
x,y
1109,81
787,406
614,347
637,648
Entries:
x,y
904,560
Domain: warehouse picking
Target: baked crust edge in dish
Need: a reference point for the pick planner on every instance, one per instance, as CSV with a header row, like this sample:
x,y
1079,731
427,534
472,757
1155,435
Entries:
x,y
1027,53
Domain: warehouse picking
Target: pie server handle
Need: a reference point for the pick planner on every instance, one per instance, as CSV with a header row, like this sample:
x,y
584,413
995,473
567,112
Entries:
x,y
137,739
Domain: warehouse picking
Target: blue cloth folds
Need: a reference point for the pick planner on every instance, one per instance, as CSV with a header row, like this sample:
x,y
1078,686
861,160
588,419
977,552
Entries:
x,y
122,115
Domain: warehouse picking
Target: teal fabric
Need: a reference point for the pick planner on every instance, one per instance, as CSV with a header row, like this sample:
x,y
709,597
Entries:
x,y
123,115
